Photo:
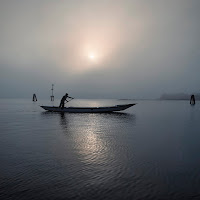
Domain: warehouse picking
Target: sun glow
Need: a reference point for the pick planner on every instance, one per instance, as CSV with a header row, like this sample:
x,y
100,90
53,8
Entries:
x,y
91,56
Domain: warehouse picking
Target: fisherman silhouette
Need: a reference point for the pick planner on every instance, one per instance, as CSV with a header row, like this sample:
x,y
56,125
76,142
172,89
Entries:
x,y
62,102
192,100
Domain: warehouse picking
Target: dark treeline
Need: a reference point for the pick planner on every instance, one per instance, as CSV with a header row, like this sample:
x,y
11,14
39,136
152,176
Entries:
x,y
179,96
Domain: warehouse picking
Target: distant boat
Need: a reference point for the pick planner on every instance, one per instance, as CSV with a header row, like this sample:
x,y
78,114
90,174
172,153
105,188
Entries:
x,y
87,109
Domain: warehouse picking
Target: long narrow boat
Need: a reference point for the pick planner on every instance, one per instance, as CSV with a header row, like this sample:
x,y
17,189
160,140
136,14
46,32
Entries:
x,y
87,109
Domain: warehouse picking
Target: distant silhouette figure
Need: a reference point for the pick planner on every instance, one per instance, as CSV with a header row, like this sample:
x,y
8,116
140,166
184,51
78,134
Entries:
x,y
34,97
62,102
192,100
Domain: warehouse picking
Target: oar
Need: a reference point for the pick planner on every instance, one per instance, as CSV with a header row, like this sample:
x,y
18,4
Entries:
x,y
70,99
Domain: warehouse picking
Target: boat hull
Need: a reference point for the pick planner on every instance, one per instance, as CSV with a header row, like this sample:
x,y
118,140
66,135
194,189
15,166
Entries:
x,y
87,109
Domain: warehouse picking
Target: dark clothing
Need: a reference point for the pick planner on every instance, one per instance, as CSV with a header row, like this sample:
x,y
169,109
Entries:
x,y
64,98
62,102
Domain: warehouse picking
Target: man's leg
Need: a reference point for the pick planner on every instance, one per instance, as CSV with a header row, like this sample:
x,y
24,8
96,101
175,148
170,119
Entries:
x,y
63,105
60,105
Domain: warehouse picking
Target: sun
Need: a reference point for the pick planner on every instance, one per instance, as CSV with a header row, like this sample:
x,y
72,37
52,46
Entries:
x,y
91,56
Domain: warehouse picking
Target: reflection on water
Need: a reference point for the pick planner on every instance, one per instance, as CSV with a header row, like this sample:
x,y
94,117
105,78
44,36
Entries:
x,y
91,133
98,143
149,152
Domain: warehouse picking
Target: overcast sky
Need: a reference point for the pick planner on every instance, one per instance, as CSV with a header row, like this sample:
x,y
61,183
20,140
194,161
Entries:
x,y
99,48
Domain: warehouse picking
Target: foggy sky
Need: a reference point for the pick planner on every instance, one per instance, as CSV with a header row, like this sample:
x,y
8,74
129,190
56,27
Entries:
x,y
143,47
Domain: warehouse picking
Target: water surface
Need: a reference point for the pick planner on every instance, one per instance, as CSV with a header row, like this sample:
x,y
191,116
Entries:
x,y
150,151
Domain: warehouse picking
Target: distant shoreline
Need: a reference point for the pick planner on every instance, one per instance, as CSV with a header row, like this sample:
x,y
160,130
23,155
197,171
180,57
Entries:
x,y
179,96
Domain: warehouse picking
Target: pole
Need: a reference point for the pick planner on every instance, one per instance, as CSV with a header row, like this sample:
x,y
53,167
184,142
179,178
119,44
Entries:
x,y
52,96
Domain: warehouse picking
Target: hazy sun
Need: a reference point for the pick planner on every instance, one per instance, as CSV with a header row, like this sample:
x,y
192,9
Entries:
x,y
91,56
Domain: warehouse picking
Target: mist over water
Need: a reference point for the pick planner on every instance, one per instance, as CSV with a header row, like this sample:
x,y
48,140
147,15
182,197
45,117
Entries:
x,y
150,151
141,49
129,49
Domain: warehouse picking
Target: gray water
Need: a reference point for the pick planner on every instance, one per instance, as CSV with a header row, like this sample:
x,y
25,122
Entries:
x,y
149,151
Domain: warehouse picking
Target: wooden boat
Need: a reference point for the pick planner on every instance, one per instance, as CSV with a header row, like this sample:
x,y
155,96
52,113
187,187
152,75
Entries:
x,y
87,109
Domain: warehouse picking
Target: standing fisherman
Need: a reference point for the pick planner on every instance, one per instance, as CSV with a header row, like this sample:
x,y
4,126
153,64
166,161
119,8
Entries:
x,y
64,98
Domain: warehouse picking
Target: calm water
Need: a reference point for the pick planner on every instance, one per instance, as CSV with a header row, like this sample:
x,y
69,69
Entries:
x,y
150,151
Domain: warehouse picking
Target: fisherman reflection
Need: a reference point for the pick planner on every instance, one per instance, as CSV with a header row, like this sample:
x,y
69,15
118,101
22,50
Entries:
x,y
63,120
